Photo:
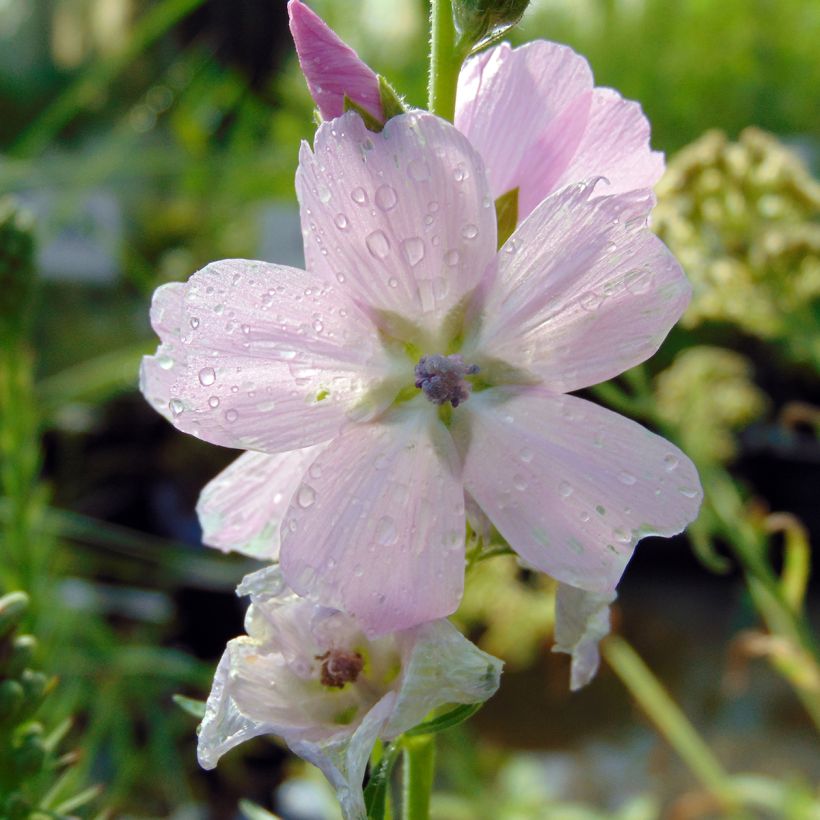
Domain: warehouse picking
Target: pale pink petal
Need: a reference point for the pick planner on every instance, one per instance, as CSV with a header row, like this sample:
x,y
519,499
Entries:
x,y
581,621
572,486
538,123
377,529
402,219
332,69
507,100
615,145
159,372
584,290
275,359
439,666
241,509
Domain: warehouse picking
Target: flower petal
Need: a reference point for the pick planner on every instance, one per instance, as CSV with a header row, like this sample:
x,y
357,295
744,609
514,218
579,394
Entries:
x,y
581,620
273,360
570,485
377,529
509,99
440,666
403,218
241,509
332,69
584,290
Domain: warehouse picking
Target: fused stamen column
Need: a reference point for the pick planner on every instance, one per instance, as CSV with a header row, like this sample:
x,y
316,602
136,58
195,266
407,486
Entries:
x,y
442,378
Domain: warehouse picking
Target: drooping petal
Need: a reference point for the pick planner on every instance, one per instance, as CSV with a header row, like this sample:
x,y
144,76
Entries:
x,y
274,359
440,666
402,219
332,69
584,290
538,123
581,621
508,97
159,372
377,529
570,485
241,509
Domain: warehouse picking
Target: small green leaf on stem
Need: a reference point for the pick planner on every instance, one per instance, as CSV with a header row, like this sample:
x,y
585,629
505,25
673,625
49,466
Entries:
x,y
192,706
445,721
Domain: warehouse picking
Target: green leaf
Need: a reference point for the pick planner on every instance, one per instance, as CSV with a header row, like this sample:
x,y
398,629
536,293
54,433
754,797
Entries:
x,y
445,721
192,706
506,214
375,794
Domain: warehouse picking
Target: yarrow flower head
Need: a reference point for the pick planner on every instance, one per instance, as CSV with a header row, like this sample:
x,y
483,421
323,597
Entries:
x,y
414,368
311,676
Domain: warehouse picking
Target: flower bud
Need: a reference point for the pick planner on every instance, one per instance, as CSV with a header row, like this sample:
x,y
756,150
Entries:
x,y
20,656
11,699
30,752
479,20
12,606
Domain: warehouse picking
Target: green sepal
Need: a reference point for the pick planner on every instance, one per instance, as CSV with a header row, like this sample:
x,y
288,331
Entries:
x,y
481,21
12,609
192,706
29,753
370,122
445,721
506,215
20,656
392,103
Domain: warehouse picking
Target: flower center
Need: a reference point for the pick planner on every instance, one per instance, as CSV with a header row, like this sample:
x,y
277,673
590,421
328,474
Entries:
x,y
442,378
339,667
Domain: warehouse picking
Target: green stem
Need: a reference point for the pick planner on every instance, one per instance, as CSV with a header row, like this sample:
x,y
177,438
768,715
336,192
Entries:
x,y
419,765
667,716
447,53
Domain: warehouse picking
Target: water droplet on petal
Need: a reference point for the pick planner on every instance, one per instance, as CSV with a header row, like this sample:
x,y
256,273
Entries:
x,y
670,462
519,482
306,496
526,455
378,244
621,535
452,258
194,322
340,278
207,376
323,192
341,222
359,196
213,402
469,231
590,301
176,406
565,489
413,250
626,478
231,416
386,197
688,492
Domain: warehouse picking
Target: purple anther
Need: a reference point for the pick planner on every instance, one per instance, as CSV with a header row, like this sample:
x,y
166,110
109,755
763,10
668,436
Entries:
x,y
442,378
339,667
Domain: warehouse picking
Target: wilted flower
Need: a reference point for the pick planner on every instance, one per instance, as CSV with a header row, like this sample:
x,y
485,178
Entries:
x,y
309,675
532,112
407,311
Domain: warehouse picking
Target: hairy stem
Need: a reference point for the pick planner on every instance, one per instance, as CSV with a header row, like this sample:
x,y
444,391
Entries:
x,y
447,53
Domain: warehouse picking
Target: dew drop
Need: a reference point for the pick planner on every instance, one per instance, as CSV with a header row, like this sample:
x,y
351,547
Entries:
x,y
176,406
315,470
418,170
670,462
207,376
378,244
519,482
231,416
469,231
386,197
526,455
165,362
585,516
441,287
386,533
621,535
590,301
213,402
323,192
565,489
432,206
639,280
318,326
194,322
626,478
341,221
393,282
452,258
306,496
340,278
359,196
688,492
413,250
460,173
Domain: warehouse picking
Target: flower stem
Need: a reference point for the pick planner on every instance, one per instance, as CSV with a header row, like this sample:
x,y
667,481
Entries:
x,y
667,716
419,765
447,53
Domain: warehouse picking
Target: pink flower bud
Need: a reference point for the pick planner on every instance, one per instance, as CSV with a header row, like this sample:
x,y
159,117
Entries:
x,y
332,69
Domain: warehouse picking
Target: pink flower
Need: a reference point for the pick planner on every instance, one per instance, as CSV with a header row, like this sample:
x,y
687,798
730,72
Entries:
x,y
364,358
332,69
309,675
532,112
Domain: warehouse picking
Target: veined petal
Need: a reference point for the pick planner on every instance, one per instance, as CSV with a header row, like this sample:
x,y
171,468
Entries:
x,y
507,101
241,510
377,529
274,359
581,621
440,666
584,290
570,485
402,219
332,69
